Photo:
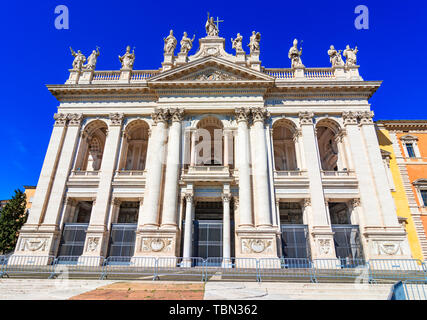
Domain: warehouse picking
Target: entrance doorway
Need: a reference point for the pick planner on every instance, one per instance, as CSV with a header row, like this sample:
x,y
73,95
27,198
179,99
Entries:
x,y
208,231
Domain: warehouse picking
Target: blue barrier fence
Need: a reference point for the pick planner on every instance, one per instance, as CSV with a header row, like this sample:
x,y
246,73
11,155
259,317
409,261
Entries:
x,y
195,268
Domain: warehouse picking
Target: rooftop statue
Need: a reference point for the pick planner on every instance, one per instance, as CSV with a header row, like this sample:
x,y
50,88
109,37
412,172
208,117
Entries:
x,y
91,60
295,55
237,43
211,27
79,59
350,55
335,57
186,43
254,41
127,59
170,43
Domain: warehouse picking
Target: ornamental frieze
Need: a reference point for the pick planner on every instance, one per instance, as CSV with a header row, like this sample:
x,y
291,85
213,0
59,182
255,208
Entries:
x,y
33,244
256,245
212,75
156,245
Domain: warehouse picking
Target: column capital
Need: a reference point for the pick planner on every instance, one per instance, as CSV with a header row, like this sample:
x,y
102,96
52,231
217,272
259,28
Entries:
x,y
306,202
242,114
355,202
75,119
340,135
226,197
349,117
297,134
306,117
116,118
176,114
117,201
189,197
160,115
260,114
70,202
366,117
60,119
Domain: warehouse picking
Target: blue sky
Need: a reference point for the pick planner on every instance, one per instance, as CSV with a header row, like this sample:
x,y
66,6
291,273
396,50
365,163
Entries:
x,y
34,53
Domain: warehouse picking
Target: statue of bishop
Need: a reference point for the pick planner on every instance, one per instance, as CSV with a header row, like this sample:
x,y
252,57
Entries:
x,y
127,59
170,43
295,55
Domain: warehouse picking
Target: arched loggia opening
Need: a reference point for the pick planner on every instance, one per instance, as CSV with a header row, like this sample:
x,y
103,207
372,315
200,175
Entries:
x,y
208,146
330,146
285,153
135,143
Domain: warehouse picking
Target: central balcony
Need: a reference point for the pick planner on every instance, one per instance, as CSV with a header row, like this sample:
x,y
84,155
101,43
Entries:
x,y
207,173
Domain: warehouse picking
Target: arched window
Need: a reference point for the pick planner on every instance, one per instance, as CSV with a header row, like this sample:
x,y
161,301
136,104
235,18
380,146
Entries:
x,y
327,140
91,148
134,151
209,142
284,146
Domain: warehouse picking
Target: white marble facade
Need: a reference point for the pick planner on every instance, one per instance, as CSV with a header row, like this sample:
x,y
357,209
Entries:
x,y
216,127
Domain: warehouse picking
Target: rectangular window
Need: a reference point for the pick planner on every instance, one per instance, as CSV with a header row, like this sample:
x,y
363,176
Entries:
x,y
424,197
410,149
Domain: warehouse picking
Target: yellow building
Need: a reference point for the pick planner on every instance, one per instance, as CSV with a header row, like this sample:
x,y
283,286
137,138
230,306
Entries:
x,y
29,192
398,190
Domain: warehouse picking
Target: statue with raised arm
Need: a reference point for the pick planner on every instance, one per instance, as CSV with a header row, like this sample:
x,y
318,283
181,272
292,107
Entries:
x,y
211,28
350,55
79,59
254,41
127,59
170,43
91,60
186,43
335,57
295,55
237,43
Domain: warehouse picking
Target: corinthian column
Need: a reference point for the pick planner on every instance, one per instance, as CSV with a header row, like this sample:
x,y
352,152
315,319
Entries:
x,y
170,199
155,158
260,165
226,231
242,162
45,182
51,219
188,229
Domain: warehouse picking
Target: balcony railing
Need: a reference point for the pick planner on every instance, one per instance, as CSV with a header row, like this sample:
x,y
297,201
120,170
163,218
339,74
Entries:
x,y
289,173
309,73
344,173
208,169
130,173
84,173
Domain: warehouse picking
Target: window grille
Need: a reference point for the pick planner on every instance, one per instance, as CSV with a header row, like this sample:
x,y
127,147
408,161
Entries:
x,y
295,241
73,239
122,240
347,241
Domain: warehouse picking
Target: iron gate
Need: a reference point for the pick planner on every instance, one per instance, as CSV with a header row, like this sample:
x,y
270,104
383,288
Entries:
x,y
72,240
295,241
122,241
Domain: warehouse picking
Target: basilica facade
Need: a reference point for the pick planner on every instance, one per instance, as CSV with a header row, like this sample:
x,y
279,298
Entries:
x,y
214,156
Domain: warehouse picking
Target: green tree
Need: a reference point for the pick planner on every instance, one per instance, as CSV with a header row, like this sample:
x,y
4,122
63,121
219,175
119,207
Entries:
x,y
12,218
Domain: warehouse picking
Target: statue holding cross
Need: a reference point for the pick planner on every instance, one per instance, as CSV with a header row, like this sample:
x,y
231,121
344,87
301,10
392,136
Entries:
x,y
212,29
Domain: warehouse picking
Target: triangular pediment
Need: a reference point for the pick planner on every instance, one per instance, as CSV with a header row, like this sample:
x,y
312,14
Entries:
x,y
211,69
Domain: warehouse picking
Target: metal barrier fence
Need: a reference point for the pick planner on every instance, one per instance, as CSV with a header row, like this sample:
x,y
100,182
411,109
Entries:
x,y
341,269
230,268
169,268
247,269
397,269
286,268
415,290
28,266
129,267
82,266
